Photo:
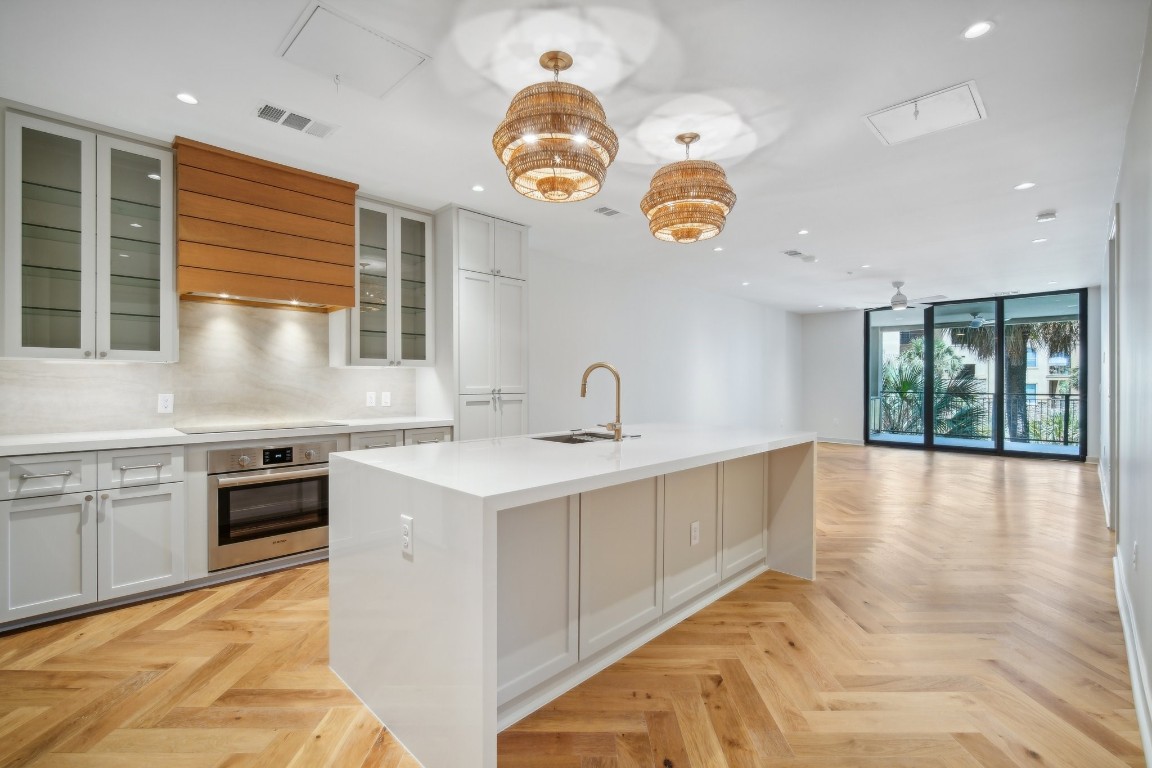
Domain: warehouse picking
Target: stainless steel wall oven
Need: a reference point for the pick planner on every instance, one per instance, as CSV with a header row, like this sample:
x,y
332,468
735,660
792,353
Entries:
x,y
267,500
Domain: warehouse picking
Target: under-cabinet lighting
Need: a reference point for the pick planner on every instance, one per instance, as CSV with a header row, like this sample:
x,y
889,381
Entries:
x,y
124,255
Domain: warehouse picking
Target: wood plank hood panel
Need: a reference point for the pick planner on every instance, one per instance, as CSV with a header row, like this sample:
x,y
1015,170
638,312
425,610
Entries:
x,y
257,231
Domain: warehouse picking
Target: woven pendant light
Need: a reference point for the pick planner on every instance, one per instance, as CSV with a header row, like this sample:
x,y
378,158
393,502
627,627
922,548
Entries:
x,y
689,200
554,141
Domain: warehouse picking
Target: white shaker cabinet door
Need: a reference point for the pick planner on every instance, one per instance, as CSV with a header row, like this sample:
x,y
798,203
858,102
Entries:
x,y
511,415
477,350
475,233
476,418
141,533
47,554
691,532
744,514
510,250
511,330
621,562
537,587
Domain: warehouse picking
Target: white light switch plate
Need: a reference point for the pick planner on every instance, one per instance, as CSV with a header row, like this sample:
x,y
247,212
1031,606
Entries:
x,y
164,403
406,534
385,398
370,398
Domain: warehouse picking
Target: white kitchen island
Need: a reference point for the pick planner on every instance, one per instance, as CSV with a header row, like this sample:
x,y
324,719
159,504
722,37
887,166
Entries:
x,y
535,564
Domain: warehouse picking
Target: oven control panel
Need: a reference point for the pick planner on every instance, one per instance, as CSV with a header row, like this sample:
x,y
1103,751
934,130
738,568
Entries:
x,y
262,456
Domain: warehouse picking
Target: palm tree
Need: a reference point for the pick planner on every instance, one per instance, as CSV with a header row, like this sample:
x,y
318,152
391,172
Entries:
x,y
958,397
1058,337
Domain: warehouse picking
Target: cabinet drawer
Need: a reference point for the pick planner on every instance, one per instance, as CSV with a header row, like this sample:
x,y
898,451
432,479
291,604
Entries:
x,y
130,467
430,435
390,439
46,474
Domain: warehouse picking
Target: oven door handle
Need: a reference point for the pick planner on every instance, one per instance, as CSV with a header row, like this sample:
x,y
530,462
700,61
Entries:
x,y
271,477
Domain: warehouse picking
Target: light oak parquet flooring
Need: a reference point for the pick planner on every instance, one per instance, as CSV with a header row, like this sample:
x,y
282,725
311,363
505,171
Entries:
x,y
963,615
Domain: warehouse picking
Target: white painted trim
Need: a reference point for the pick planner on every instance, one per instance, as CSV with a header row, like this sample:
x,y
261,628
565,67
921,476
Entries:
x,y
1137,669
839,440
530,701
1105,495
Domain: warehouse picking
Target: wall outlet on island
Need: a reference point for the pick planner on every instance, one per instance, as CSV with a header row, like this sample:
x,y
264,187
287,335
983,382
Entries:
x,y
370,398
386,398
164,403
695,533
406,534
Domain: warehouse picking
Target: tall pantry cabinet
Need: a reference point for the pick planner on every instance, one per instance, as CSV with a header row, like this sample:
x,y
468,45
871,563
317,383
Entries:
x,y
490,269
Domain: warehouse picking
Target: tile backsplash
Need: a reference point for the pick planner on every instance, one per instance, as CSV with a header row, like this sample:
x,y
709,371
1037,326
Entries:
x,y
237,365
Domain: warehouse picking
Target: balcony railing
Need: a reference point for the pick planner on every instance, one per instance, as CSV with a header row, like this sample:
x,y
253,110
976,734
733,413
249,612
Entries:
x,y
1048,419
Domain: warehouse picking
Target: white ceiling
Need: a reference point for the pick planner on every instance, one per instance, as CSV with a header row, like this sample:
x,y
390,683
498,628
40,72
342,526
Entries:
x,y
778,88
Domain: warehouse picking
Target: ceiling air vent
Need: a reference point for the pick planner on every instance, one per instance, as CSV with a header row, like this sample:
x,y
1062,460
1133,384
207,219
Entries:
x,y
807,258
606,211
293,120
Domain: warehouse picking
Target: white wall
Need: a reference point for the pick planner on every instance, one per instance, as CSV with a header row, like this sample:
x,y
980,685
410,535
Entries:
x,y
683,355
237,365
1133,286
833,399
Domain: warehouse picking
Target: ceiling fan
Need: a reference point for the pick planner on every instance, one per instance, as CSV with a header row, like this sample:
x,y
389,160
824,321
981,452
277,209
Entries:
x,y
900,301
977,320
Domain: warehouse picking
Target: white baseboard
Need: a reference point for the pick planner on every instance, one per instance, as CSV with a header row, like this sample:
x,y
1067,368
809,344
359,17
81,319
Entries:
x,y
1105,496
1137,669
841,440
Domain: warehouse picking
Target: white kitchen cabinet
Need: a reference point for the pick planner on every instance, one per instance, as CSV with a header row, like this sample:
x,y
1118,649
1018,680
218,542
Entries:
x,y
537,586
493,335
141,539
393,320
485,416
745,510
691,534
427,435
491,245
47,474
88,265
387,439
621,561
47,553
128,467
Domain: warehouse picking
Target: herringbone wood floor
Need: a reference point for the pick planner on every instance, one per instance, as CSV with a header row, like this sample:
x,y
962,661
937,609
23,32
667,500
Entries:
x,y
963,615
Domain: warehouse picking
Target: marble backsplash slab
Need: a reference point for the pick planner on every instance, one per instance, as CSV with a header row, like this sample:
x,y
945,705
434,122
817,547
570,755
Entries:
x,y
237,365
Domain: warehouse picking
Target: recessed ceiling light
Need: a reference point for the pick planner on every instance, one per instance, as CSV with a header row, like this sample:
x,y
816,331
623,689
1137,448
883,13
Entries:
x,y
1051,282
477,188
745,283
187,98
1046,216
136,225
802,232
1040,240
718,248
1024,185
154,176
979,29
819,306
865,266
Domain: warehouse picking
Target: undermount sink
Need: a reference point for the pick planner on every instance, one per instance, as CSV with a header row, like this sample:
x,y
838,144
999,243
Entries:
x,y
574,438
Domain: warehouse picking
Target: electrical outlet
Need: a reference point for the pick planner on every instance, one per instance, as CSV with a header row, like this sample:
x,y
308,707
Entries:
x,y
406,534
370,398
1135,555
385,398
695,532
164,403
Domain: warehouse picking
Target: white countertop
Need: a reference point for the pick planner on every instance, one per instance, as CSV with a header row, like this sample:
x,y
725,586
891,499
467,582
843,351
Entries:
x,y
15,445
519,470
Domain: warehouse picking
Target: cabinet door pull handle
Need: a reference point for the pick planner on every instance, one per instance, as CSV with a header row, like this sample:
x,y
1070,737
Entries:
x,y
103,354
87,353
157,465
423,442
381,445
88,497
104,497
27,476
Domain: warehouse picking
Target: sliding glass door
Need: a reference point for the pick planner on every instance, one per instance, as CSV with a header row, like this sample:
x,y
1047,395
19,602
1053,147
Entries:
x,y
1005,375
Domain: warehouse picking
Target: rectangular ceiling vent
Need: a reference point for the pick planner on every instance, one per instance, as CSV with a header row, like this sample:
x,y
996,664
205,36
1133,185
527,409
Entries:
x,y
293,120
932,112
807,258
606,211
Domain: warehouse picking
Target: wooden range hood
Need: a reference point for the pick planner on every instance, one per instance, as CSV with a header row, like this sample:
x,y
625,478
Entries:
x,y
258,232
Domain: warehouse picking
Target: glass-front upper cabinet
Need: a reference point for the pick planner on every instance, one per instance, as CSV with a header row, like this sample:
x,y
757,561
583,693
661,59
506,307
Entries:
x,y
88,270
392,322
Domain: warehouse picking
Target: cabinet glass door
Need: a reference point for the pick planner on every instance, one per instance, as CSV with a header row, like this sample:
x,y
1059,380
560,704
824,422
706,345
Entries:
x,y
371,332
414,295
51,216
135,240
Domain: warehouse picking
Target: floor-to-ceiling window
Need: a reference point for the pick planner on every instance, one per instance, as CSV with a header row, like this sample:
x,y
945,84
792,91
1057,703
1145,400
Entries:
x,y
1002,374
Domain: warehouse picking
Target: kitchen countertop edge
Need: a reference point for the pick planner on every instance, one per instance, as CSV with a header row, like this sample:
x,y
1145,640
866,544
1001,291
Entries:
x,y
68,442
